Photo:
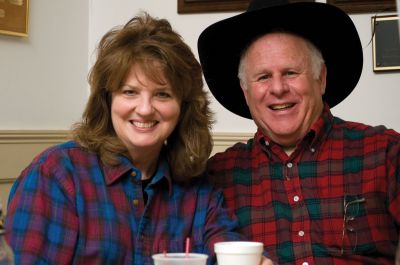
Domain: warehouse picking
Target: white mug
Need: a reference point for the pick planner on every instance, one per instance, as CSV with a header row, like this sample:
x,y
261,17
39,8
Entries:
x,y
239,252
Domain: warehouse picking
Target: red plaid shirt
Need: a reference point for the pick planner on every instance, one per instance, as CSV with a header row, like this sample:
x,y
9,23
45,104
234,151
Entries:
x,y
334,200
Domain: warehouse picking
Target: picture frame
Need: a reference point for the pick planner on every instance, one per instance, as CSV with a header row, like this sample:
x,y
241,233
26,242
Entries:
x,y
385,43
14,17
203,6
364,6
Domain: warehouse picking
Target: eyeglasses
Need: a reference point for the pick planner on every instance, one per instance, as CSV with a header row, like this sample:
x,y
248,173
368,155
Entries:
x,y
351,207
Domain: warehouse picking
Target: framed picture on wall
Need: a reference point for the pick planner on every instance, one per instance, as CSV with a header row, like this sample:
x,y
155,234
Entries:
x,y
203,6
385,43
14,17
364,6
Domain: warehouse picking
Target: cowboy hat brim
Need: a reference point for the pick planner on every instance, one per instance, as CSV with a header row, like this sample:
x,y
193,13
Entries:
x,y
329,28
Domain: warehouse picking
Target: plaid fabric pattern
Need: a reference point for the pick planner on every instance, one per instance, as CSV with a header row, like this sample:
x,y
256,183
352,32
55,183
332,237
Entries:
x,y
335,200
69,208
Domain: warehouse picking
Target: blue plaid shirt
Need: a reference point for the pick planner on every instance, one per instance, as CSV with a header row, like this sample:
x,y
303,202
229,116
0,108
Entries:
x,y
67,207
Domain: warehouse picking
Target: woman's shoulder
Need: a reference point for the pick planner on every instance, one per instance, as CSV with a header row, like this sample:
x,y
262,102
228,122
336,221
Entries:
x,y
65,150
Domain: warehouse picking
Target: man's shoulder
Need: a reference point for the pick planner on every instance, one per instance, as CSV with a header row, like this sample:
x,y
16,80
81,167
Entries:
x,y
360,131
237,155
363,127
237,149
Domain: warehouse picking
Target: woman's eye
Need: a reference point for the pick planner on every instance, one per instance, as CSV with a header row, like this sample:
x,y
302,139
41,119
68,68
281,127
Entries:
x,y
163,94
128,92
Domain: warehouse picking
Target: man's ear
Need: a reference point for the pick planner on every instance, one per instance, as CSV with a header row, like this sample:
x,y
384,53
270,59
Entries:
x,y
244,89
322,79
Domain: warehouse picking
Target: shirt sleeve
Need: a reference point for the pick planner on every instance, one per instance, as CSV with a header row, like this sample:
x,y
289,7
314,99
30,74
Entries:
x,y
220,225
41,222
393,170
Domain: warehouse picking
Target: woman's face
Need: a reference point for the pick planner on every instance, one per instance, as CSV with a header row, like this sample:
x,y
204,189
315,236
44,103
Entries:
x,y
144,113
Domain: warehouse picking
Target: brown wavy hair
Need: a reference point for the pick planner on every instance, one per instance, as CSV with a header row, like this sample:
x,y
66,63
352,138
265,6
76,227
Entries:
x,y
142,40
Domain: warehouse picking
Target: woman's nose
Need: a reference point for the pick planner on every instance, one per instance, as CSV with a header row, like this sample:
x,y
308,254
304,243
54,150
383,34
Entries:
x,y
144,106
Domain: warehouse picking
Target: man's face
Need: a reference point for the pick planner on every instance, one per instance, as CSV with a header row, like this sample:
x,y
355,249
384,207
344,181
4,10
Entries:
x,y
282,92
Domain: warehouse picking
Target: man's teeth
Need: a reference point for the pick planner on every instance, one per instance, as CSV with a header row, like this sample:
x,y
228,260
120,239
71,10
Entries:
x,y
280,107
144,124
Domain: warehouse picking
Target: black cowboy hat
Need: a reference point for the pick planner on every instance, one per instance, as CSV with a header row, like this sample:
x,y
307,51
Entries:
x,y
329,28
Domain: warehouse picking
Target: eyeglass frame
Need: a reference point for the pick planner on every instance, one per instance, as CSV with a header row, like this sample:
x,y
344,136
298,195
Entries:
x,y
347,218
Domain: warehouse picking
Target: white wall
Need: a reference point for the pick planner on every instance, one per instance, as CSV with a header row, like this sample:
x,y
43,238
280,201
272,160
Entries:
x,y
53,63
375,99
43,76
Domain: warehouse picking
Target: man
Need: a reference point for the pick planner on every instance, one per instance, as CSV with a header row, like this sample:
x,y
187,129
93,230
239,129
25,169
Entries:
x,y
315,189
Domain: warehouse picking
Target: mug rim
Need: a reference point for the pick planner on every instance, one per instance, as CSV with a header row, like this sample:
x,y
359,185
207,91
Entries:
x,y
179,255
238,247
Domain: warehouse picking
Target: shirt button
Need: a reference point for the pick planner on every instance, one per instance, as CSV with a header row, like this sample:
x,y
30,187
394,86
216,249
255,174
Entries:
x,y
136,202
301,233
289,165
304,263
296,198
312,151
133,174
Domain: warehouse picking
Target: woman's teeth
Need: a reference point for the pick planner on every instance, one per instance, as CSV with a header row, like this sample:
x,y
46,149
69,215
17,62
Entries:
x,y
144,124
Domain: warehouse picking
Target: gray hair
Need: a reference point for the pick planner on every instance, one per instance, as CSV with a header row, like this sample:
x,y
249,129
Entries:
x,y
317,60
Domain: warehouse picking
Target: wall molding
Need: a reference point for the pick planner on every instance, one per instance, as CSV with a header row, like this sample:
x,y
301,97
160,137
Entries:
x,y
23,145
18,147
55,136
225,137
223,140
32,136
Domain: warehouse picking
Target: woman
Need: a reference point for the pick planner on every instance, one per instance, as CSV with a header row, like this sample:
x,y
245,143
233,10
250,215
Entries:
x,y
125,187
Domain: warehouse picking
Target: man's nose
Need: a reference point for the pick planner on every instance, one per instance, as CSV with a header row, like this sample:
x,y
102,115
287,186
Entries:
x,y
278,86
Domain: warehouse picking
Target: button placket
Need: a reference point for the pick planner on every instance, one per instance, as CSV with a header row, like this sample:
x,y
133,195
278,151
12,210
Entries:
x,y
136,199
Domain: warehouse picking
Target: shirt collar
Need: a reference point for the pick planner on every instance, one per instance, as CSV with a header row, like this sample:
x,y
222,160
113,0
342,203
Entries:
x,y
163,173
321,128
113,173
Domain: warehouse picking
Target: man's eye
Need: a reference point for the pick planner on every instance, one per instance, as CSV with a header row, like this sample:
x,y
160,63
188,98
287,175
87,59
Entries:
x,y
263,77
290,73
